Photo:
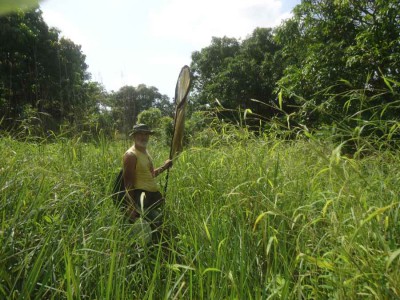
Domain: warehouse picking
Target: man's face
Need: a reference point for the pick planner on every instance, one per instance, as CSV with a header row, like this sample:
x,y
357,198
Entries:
x,y
141,139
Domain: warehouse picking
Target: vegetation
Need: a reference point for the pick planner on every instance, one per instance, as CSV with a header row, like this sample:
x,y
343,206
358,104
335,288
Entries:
x,y
44,78
308,67
246,217
331,60
288,187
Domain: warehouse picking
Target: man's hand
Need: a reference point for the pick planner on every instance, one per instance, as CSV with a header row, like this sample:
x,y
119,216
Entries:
x,y
167,164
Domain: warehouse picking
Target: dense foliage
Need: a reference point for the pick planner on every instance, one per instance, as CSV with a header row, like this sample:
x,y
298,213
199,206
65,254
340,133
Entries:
x,y
39,70
234,73
129,102
287,220
280,212
333,63
336,51
44,82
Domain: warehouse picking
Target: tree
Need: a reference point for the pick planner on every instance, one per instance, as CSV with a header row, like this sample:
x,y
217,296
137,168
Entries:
x,y
124,108
22,35
39,70
331,48
150,117
164,105
254,71
72,78
10,6
128,102
43,74
235,73
207,65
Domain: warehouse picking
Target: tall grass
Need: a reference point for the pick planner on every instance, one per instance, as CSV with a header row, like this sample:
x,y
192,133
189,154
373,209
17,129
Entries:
x,y
246,218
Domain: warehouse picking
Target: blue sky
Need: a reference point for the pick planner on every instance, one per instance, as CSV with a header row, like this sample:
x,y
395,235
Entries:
x,y
129,42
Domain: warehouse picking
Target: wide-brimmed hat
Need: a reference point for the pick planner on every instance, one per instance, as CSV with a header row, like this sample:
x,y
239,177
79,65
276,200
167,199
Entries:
x,y
142,128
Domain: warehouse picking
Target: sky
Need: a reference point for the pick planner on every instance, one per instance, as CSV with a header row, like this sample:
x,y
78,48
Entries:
x,y
132,42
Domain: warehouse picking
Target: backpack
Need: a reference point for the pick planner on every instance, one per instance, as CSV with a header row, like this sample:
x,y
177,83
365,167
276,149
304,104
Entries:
x,y
118,192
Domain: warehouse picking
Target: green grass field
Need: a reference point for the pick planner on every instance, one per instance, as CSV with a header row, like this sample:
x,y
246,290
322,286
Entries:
x,y
246,218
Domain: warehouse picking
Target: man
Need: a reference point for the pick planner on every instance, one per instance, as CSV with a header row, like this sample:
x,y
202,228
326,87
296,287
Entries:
x,y
143,195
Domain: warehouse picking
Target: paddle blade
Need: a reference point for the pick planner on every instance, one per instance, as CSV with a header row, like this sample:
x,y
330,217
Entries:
x,y
181,93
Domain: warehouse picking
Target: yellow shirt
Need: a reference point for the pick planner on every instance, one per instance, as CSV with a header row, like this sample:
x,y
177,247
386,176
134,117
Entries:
x,y
144,179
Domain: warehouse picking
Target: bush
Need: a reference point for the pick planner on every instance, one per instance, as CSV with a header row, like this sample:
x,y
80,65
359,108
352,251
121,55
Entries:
x,y
150,117
167,129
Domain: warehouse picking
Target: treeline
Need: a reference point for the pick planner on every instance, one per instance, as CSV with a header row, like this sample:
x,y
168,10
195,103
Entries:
x,y
40,71
334,64
45,85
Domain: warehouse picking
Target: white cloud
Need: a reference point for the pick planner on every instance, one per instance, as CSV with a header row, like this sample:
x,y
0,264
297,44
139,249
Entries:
x,y
116,80
197,21
133,42
168,59
68,29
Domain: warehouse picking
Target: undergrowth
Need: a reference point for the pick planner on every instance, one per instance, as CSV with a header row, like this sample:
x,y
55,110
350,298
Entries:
x,y
249,215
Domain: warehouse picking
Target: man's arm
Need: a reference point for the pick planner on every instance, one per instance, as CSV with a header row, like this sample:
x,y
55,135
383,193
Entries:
x,y
166,166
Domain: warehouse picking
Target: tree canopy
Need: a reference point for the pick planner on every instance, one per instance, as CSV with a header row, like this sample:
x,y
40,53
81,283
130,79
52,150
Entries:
x,y
318,66
39,70
128,102
331,61
43,75
331,48
235,72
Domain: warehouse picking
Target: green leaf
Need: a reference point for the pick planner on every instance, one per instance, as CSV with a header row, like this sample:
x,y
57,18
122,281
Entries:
x,y
8,6
48,219
377,212
207,231
176,267
211,270
247,111
319,262
261,216
392,258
